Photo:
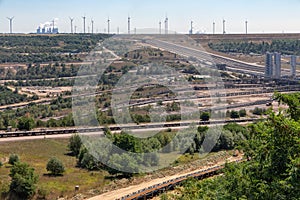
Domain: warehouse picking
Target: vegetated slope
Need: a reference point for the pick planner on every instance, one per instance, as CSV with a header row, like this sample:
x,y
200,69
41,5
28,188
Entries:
x,y
273,170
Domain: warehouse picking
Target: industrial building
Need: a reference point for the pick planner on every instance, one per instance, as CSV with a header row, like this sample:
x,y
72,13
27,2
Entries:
x,y
47,28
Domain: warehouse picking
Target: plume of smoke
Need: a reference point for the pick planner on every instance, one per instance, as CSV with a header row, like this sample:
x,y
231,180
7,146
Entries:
x,y
49,24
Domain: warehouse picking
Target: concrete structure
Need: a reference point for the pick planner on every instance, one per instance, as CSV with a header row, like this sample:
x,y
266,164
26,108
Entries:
x,y
277,64
269,65
293,65
273,65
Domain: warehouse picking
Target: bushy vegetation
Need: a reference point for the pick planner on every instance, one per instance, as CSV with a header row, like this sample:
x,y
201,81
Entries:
x,y
147,149
45,48
12,97
205,116
272,171
289,47
23,181
45,83
55,167
13,159
34,115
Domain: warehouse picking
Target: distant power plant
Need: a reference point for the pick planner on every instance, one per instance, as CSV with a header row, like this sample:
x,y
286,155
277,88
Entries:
x,y
47,28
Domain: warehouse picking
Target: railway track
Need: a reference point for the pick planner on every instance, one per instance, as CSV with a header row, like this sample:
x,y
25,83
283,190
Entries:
x,y
119,128
294,88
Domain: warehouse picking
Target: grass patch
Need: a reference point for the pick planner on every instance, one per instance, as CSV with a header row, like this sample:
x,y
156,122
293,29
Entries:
x,y
37,153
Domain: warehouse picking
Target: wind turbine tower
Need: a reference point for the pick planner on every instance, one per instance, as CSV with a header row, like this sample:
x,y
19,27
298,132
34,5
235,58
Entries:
x,y
160,27
246,27
10,24
167,25
214,28
92,26
129,25
224,26
191,31
108,26
71,20
84,18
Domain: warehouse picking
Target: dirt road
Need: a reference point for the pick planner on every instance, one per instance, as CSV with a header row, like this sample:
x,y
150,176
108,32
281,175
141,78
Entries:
x,y
124,191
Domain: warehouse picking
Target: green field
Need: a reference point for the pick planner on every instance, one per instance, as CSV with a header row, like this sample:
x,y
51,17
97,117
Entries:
x,y
37,153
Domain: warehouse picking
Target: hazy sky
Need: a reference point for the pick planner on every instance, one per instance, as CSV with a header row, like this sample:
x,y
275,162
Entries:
x,y
263,15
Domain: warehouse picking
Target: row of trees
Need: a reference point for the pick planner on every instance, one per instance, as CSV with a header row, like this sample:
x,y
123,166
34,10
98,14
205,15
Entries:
x,y
40,49
289,47
44,83
36,116
8,97
145,151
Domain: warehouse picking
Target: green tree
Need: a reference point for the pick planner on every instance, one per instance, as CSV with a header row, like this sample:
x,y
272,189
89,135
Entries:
x,y
243,113
23,180
273,167
75,144
55,167
234,114
205,116
13,159
86,160
123,164
26,123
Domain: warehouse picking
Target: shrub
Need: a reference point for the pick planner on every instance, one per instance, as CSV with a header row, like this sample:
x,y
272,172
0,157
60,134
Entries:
x,y
234,115
75,144
205,116
13,159
42,193
243,113
55,166
23,183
